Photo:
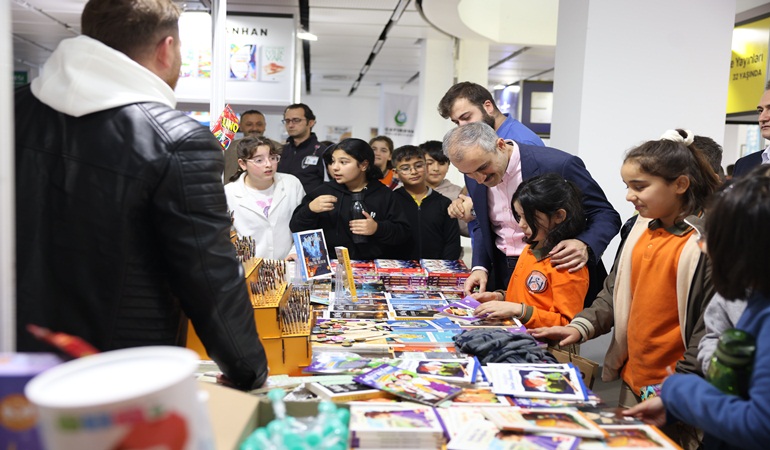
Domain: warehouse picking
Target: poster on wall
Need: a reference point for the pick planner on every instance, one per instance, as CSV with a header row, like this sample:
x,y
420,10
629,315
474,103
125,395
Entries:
x,y
398,117
259,62
336,133
748,66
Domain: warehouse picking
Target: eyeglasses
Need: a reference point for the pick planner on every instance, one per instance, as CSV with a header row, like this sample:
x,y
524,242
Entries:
x,y
295,121
261,161
408,169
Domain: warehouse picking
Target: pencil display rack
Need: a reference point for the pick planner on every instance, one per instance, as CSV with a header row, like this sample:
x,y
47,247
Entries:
x,y
289,351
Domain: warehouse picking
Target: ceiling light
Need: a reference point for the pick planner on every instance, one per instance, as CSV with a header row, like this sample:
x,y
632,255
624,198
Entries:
x,y
306,35
497,87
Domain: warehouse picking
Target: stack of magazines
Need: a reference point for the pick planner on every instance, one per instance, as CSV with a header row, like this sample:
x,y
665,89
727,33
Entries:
x,y
395,427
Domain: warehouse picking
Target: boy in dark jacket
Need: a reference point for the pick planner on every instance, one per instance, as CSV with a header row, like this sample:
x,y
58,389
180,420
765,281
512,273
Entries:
x,y
435,235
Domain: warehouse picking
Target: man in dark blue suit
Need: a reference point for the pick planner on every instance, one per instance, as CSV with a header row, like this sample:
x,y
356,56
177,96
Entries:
x,y
748,162
494,167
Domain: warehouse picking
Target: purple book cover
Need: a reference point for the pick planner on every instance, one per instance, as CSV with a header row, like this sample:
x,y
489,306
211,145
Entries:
x,y
461,309
409,385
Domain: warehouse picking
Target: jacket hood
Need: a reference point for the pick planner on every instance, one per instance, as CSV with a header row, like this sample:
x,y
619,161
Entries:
x,y
84,76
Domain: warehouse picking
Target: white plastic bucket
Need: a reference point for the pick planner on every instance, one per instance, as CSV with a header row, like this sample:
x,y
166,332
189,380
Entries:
x,y
137,398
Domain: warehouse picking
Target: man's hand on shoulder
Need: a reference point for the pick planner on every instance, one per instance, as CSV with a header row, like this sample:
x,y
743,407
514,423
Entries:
x,y
569,254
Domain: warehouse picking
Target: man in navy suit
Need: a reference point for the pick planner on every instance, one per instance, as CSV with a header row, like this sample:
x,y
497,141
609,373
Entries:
x,y
494,167
748,162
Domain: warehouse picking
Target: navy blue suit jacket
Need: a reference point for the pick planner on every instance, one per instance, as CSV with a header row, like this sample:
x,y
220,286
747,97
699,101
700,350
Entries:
x,y
745,164
603,222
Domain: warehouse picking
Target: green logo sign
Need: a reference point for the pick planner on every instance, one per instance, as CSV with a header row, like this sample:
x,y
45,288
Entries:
x,y
400,118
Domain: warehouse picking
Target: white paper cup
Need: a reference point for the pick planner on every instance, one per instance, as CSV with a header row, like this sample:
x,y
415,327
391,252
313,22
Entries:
x,y
143,397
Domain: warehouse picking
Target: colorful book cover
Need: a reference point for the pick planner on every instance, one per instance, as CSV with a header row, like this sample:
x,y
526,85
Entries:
x,y
345,392
273,63
410,325
370,315
474,396
397,265
343,363
478,435
461,309
409,309
552,420
630,437
312,255
225,127
395,426
409,385
561,381
604,415
425,337
458,371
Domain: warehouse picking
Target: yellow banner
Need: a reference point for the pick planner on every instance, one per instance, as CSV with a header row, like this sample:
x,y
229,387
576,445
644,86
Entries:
x,y
748,67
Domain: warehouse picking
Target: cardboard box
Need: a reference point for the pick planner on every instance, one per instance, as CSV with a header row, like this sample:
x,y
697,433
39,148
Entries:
x,y
235,414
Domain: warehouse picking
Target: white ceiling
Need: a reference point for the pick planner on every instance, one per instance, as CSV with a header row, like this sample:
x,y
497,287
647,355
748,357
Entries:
x,y
346,30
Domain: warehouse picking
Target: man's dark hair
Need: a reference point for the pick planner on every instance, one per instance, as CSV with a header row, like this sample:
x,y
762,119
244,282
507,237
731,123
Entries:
x,y
308,112
435,150
736,236
405,152
132,27
474,93
252,111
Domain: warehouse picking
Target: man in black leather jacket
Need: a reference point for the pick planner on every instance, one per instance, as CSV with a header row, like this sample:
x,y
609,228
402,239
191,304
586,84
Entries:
x,y
122,227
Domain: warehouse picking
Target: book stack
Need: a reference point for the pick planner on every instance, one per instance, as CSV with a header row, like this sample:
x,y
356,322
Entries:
x,y
445,273
345,392
401,273
395,427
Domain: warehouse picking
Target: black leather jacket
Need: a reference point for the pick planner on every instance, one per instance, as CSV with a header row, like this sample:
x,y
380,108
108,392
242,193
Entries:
x,y
122,230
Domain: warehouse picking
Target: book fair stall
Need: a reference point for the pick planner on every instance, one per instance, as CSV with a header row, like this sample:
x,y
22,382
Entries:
x,y
368,354
388,354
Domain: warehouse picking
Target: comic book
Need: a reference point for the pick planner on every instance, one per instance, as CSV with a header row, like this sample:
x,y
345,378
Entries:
x,y
395,426
479,435
550,420
409,385
456,371
343,363
562,381
461,309
630,437
345,392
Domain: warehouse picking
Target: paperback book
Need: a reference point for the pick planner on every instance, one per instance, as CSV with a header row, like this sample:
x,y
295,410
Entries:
x,y
312,255
561,381
396,426
475,396
343,363
457,371
409,385
630,437
480,435
432,338
409,309
345,392
551,420
461,309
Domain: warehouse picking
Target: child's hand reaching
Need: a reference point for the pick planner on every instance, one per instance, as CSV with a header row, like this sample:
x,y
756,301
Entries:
x,y
483,297
567,335
651,411
322,203
498,310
